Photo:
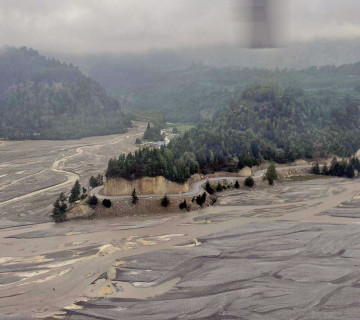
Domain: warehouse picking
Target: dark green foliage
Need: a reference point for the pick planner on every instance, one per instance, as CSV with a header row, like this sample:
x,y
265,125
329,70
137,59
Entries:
x,y
83,196
75,192
325,170
268,123
249,182
355,162
316,168
152,163
350,172
183,205
165,201
271,174
92,201
43,98
96,181
134,197
200,199
341,168
84,190
175,130
194,95
237,184
219,187
138,141
209,189
337,168
106,203
152,133
60,207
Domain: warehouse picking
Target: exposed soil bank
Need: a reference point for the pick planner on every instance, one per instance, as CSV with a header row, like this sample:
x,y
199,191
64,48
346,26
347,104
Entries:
x,y
145,185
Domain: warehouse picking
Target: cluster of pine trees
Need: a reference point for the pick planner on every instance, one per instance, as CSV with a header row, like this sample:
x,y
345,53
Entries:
x,y
267,123
338,168
153,133
77,193
152,163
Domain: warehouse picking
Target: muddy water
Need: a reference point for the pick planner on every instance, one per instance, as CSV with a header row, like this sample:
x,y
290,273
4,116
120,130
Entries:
x,y
47,267
33,173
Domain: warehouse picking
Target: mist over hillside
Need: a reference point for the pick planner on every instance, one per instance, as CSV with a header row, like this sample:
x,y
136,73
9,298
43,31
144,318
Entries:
x,y
42,98
206,79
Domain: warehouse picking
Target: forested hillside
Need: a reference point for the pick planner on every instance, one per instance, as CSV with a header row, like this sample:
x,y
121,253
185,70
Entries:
x,y
41,98
266,123
195,94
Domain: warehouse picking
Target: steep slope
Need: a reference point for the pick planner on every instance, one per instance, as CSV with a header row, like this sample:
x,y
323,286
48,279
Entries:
x,y
41,98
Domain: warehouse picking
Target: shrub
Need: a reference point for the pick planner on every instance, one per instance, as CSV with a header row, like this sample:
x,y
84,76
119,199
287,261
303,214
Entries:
x,y
134,197
249,182
106,203
165,201
209,189
183,205
219,187
271,174
92,201
60,207
325,170
316,168
200,200
237,185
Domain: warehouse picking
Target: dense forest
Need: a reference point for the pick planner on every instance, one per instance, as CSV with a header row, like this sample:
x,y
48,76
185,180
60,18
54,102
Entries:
x,y
190,88
266,123
41,98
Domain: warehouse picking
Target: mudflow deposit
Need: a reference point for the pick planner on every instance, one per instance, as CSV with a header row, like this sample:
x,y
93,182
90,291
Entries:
x,y
291,251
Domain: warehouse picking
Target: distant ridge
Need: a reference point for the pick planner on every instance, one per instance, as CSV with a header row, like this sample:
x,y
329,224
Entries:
x,y
42,98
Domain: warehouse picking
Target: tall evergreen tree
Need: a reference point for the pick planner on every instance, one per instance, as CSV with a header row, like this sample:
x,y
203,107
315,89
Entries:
x,y
316,168
271,174
59,210
134,197
75,192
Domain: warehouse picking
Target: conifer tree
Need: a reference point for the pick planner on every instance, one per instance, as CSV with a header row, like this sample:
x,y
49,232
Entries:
x,y
75,192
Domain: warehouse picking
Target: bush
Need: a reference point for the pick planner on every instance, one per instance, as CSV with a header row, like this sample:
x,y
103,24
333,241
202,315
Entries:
x,y
325,170
134,197
165,201
106,203
271,174
92,201
316,169
237,185
60,207
209,189
200,200
249,182
183,205
96,181
219,187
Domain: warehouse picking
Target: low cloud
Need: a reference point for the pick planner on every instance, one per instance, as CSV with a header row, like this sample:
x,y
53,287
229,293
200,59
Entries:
x,y
89,26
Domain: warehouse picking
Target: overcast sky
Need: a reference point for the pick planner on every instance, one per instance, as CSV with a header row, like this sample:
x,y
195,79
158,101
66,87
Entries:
x,y
93,26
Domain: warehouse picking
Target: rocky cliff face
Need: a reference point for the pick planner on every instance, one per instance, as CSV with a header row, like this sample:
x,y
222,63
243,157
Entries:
x,y
145,185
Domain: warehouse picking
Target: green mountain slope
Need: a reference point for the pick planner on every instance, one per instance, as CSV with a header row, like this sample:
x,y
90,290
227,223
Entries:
x,y
41,98
266,123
